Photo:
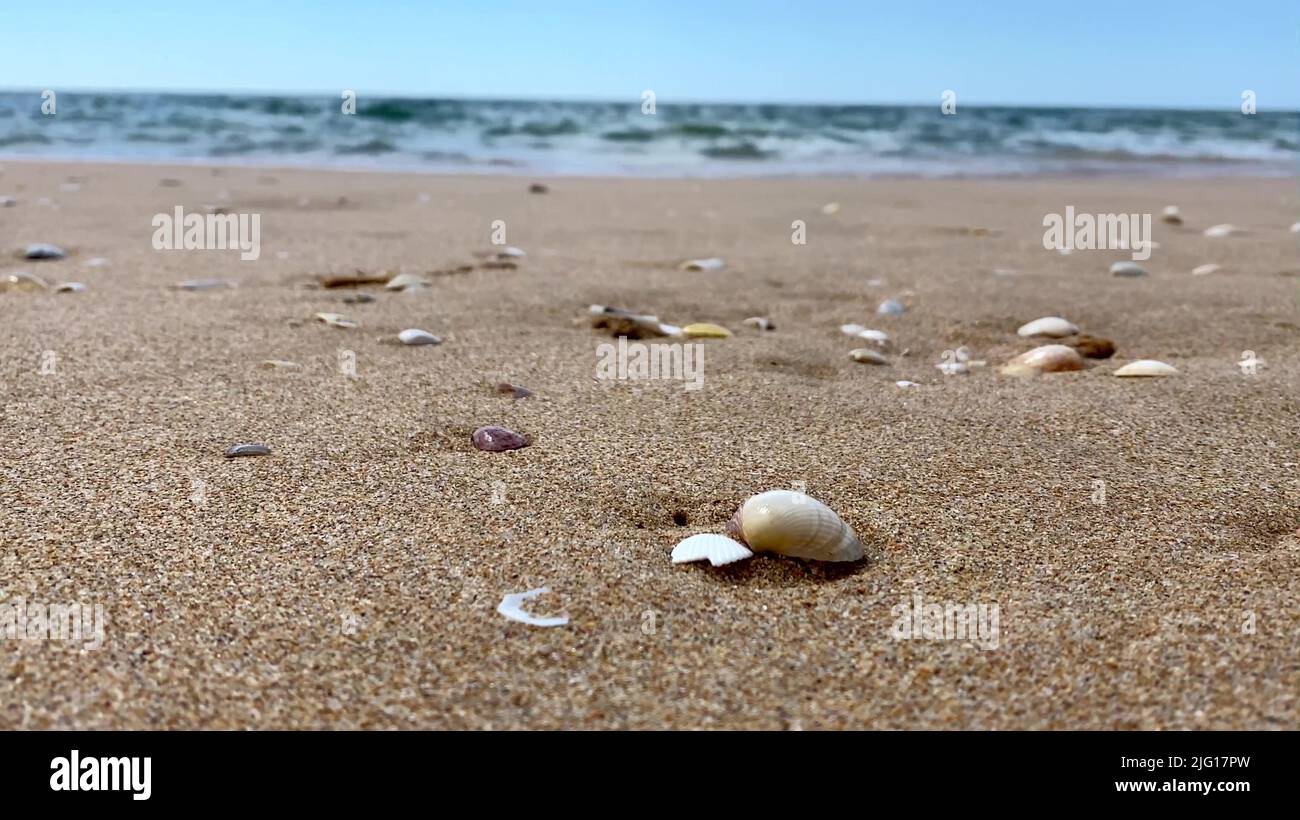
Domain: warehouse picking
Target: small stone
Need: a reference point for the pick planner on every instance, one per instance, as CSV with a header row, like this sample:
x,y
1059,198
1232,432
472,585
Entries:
x,y
7,202
538,188
1171,216
904,383
40,250
633,326
240,450
498,439
70,287
1129,269
1094,347
513,390
415,336
866,356
891,307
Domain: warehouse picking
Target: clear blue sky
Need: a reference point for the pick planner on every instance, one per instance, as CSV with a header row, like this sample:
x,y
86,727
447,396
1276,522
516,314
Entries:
x,y
1192,53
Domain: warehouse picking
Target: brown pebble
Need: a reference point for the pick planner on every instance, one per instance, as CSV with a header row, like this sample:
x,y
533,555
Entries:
x,y
538,188
633,327
1094,347
508,389
498,439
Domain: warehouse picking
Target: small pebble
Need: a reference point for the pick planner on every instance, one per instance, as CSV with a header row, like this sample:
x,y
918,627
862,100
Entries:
x,y
336,320
240,450
905,383
498,439
538,188
70,287
513,390
40,250
1171,216
280,364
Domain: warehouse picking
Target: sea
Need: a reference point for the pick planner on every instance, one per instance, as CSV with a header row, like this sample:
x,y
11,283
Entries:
x,y
635,139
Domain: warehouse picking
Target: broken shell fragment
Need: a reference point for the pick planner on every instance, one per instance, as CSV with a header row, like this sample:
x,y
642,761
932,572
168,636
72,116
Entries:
x,y
280,364
1045,359
891,307
1053,326
1145,368
41,250
794,524
866,356
23,281
905,383
511,607
716,549
759,323
1094,347
407,281
494,439
240,450
1206,270
1171,216
704,330
1129,269
415,336
335,320
1224,230
712,263
851,330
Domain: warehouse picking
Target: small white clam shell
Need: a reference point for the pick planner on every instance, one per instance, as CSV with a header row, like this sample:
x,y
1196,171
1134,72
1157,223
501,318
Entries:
x,y
1053,326
878,338
1147,368
415,336
792,523
716,549
1129,269
1045,359
890,307
851,330
866,356
406,281
1206,270
905,383
240,450
712,263
511,252
512,607
1226,229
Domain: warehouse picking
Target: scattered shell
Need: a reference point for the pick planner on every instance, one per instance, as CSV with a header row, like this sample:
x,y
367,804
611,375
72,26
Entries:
x,y
511,606
794,524
513,390
879,338
1295,228
851,330
40,250
866,356
717,549
1171,215
510,252
759,322
415,336
1146,367
905,383
1053,326
402,281
704,330
358,298
335,320
631,325
1094,347
70,287
713,263
890,307
1221,231
1206,270
498,439
538,188
23,281
280,364
203,284
831,208
1045,359
248,450
1127,269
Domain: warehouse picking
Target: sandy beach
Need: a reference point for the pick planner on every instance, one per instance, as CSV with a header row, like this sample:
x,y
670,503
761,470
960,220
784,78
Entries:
x,y
351,578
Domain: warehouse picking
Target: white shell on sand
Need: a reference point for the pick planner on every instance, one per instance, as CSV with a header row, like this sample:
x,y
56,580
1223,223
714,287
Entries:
x,y
1220,231
759,323
794,524
41,250
511,252
866,356
1045,359
851,330
716,549
70,287
1053,326
1127,269
511,606
1171,215
831,208
415,336
1146,367
879,338
335,320
712,263
240,450
280,364
405,281
1206,270
905,383
890,307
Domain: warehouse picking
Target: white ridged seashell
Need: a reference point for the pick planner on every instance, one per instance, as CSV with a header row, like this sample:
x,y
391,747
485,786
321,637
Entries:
x,y
794,524
1171,215
716,549
1045,359
851,330
759,323
415,336
511,606
407,281
1053,326
866,356
1127,269
1226,229
712,263
1206,270
1146,367
890,307
335,320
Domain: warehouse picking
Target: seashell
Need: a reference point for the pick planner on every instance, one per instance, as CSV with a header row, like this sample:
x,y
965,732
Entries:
x,y
70,287
1053,326
494,439
239,450
1295,228
1127,269
414,336
358,299
510,252
851,330
336,320
1206,270
1145,367
905,383
891,307
1093,347
1045,359
23,281
403,281
866,356
203,284
280,364
879,338
759,323
704,330
670,330
513,390
712,263
1224,230
1171,216
41,250
717,549
511,606
831,208
794,524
